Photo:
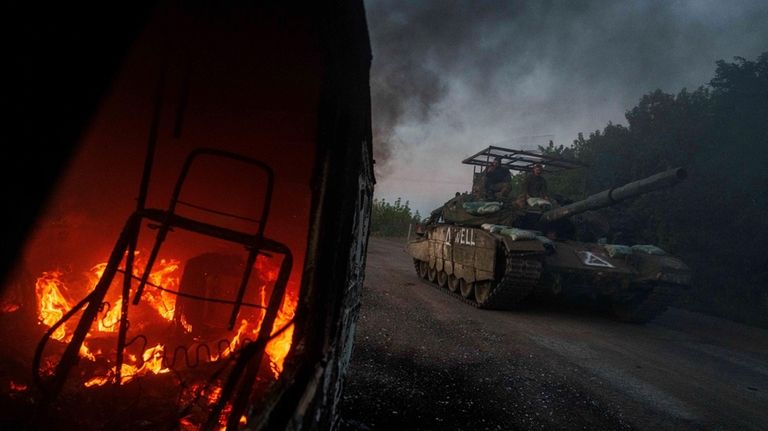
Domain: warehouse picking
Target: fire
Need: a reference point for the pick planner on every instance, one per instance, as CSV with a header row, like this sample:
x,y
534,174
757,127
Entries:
x,y
158,306
277,348
127,371
85,352
164,302
214,395
153,361
97,381
235,343
186,325
109,323
52,303
164,274
53,297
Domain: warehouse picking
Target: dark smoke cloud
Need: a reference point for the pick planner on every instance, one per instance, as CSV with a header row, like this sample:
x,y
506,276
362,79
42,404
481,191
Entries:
x,y
498,69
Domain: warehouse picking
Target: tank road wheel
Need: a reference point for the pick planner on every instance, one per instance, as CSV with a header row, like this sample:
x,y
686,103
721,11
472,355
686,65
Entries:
x,y
453,283
442,279
467,289
483,291
432,275
423,269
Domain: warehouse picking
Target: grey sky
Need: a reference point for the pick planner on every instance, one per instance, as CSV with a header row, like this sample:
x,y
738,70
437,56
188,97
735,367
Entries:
x,y
452,77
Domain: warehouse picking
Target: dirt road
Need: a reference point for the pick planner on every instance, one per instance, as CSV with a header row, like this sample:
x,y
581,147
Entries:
x,y
425,361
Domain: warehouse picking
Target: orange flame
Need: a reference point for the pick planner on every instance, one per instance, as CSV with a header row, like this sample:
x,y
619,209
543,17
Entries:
x,y
164,274
109,323
164,302
153,361
235,343
51,302
277,348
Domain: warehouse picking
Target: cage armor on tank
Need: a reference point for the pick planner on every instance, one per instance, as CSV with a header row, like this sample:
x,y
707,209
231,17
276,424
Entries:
x,y
493,255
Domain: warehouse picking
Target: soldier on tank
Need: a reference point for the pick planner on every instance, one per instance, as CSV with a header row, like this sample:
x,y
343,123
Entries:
x,y
497,179
534,186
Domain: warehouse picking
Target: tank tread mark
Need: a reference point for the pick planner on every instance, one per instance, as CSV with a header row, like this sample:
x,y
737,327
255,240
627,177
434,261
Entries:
x,y
522,275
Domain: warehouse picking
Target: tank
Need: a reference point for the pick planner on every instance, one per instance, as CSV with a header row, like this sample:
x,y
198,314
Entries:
x,y
495,254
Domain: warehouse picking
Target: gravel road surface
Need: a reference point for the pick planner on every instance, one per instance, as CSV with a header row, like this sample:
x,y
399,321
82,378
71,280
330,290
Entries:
x,y
425,361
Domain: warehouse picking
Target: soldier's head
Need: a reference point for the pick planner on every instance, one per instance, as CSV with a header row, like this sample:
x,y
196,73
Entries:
x,y
537,168
496,162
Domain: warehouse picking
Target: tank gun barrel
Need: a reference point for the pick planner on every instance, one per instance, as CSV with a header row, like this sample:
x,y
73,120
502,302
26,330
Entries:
x,y
612,196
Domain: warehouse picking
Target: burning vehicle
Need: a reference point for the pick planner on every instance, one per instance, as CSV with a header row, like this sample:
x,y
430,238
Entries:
x,y
223,294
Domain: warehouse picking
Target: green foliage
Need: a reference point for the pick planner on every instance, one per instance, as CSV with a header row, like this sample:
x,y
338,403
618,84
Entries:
x,y
567,185
392,219
716,219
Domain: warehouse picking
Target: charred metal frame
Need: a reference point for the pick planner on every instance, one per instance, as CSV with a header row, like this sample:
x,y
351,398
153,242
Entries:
x,y
309,389
241,380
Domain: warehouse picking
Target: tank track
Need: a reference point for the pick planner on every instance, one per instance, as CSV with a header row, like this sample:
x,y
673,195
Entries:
x,y
522,274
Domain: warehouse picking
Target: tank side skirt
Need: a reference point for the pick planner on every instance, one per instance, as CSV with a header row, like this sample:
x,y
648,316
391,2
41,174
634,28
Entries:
x,y
522,276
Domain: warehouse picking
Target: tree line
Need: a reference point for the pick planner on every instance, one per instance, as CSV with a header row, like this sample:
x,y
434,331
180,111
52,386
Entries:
x,y
392,219
717,219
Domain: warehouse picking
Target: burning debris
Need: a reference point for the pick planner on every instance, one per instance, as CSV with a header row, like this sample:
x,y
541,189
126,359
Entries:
x,y
143,326
188,322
